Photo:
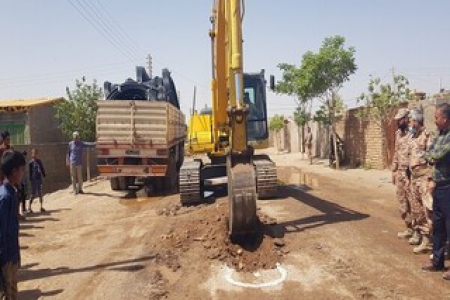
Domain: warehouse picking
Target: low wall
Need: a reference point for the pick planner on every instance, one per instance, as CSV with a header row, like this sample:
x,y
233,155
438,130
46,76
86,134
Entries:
x,y
53,157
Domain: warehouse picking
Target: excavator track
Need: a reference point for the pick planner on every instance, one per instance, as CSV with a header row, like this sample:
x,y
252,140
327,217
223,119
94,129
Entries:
x,y
266,178
242,199
190,183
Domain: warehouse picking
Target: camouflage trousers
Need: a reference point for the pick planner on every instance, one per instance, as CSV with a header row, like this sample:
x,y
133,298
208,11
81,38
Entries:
x,y
403,191
419,214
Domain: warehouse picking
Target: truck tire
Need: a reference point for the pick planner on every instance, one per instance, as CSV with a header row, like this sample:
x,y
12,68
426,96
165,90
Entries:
x,y
123,183
114,183
180,156
171,178
130,181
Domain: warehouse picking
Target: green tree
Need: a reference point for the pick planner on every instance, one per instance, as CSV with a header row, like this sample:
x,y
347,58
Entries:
x,y
382,100
329,114
276,124
79,112
321,76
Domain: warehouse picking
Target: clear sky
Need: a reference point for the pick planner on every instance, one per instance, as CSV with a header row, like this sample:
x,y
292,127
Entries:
x,y
45,45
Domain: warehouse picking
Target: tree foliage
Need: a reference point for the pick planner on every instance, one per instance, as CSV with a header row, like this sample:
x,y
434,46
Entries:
x,y
276,123
383,98
329,114
302,114
320,74
79,112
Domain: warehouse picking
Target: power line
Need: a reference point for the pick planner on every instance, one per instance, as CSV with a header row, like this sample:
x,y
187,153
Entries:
x,y
109,27
51,75
93,24
114,29
116,25
47,81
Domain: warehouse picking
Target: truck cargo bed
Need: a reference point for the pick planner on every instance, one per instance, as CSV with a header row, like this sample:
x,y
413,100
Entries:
x,y
150,123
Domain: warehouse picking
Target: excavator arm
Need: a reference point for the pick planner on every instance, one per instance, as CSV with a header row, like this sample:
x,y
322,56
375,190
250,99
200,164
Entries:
x,y
229,106
238,121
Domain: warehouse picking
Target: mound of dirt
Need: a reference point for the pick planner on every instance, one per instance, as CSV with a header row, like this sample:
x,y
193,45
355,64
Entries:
x,y
204,232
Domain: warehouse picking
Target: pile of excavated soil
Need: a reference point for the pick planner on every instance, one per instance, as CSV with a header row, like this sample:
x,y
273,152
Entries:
x,y
204,232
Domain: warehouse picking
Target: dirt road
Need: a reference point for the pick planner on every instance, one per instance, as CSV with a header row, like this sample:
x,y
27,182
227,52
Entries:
x,y
339,230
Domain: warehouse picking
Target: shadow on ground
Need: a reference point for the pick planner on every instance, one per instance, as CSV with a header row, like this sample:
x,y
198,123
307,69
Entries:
x,y
37,294
330,213
30,273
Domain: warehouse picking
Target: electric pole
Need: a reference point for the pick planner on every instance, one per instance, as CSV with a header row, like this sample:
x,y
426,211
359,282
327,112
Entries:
x,y
149,65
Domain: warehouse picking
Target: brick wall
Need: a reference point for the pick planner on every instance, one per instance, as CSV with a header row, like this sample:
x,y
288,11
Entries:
x,y
364,143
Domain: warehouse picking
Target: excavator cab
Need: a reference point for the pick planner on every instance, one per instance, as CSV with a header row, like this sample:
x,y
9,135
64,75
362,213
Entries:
x,y
255,98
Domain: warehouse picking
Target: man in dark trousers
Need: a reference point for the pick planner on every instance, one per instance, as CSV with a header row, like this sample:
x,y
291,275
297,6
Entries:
x,y
439,186
13,167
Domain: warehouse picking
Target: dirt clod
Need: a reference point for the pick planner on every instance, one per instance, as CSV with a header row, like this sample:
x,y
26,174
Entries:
x,y
279,242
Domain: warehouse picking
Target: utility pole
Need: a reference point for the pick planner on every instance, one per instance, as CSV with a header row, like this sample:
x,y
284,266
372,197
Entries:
x,y
193,101
393,78
150,65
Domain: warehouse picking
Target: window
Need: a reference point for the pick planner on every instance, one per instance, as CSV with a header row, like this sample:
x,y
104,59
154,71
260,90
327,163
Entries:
x,y
19,134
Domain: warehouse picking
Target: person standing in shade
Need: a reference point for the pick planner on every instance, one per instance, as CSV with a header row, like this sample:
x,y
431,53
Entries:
x,y
75,161
308,144
37,173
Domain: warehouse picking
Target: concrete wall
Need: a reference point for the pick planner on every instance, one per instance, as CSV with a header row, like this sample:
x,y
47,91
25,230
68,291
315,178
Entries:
x,y
290,139
54,158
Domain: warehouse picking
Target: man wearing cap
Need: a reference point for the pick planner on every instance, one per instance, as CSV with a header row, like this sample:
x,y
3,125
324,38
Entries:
x,y
75,161
420,142
439,186
400,170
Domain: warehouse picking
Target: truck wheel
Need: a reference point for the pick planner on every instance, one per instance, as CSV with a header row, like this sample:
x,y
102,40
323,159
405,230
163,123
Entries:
x,y
123,183
130,181
171,178
180,156
158,185
114,183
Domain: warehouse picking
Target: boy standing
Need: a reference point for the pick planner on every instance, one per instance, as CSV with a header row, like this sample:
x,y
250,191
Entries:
x,y
37,172
13,167
22,193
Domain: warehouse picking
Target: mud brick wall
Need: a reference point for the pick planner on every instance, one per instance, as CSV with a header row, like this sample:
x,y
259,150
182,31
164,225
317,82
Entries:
x,y
44,125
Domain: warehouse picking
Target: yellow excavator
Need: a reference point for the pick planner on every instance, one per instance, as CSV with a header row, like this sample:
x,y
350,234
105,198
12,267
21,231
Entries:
x,y
231,130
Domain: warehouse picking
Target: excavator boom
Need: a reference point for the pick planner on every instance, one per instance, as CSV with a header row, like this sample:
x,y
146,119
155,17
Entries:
x,y
238,121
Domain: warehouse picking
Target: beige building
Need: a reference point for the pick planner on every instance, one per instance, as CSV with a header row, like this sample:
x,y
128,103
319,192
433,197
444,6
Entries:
x,y
31,121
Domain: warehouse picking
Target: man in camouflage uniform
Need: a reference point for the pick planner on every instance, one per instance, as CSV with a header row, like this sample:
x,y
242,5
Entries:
x,y
420,142
400,170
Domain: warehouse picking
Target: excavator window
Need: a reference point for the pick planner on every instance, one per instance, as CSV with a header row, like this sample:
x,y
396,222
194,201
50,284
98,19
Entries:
x,y
255,98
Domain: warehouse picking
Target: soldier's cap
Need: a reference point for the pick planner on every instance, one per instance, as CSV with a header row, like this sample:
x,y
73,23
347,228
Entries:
x,y
402,112
416,116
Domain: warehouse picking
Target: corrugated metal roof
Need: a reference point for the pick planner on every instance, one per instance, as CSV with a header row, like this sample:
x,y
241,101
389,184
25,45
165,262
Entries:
x,y
28,103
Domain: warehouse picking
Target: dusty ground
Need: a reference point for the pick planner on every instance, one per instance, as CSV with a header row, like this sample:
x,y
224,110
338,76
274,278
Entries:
x,y
339,230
